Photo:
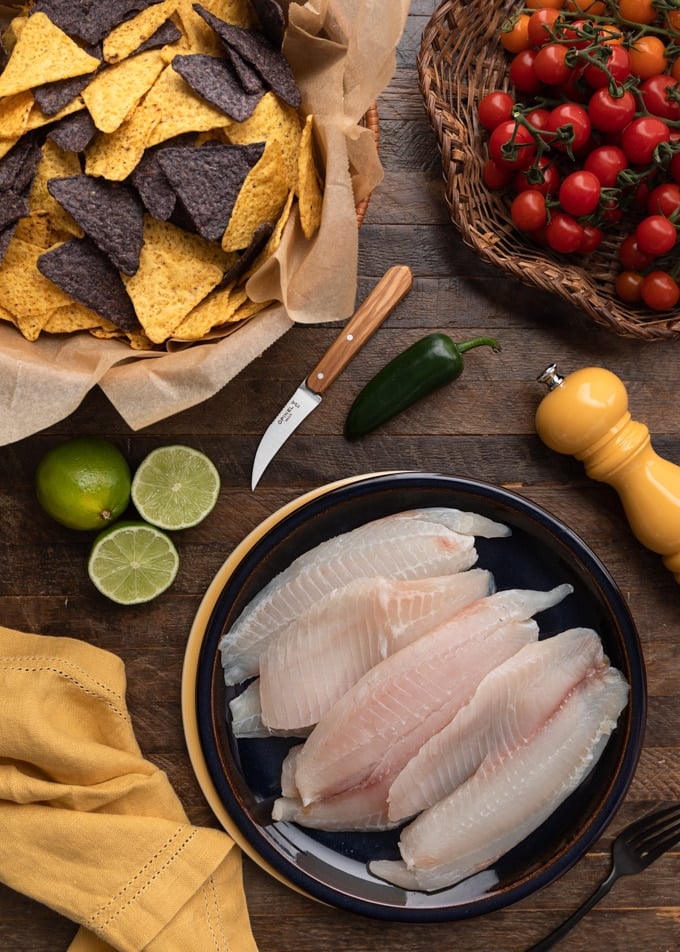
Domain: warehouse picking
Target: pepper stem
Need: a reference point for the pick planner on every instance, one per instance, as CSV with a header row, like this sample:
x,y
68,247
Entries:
x,y
478,342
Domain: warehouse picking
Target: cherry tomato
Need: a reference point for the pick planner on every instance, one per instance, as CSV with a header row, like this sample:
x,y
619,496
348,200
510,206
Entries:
x,y
660,291
542,176
605,162
522,75
538,118
548,4
672,19
661,96
674,167
540,24
572,120
617,67
628,286
647,56
515,33
579,193
563,233
610,113
637,11
591,239
528,210
630,255
550,64
664,199
496,176
512,145
656,235
641,137
494,108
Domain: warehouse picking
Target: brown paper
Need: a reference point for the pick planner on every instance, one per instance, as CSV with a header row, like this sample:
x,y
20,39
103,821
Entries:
x,y
343,55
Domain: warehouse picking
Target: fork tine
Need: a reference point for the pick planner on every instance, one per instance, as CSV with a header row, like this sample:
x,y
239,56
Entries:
x,y
651,823
658,845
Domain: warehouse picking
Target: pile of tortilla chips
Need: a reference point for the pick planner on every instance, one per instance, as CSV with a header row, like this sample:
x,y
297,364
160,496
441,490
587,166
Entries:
x,y
150,154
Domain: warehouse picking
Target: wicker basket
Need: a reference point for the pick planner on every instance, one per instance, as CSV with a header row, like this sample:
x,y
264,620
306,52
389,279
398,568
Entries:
x,y
460,59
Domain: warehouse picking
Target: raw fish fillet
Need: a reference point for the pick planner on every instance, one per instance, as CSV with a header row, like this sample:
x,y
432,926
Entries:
x,y
245,715
309,665
381,722
392,547
361,809
508,797
468,523
511,703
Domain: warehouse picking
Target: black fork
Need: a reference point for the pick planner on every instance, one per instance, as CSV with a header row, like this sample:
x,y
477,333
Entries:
x,y
635,848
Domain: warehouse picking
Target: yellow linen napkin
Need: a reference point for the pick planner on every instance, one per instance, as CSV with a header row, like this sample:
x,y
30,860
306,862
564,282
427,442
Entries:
x,y
90,827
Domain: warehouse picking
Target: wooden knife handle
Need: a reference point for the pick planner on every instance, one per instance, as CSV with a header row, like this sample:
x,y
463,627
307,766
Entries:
x,y
388,292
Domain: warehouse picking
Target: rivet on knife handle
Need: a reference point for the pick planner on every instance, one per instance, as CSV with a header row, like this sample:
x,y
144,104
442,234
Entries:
x,y
388,292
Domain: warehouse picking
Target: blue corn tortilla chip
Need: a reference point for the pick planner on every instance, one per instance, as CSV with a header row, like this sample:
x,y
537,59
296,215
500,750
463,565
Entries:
x,y
111,215
272,20
18,166
90,20
152,183
258,52
260,238
217,83
13,206
73,133
53,97
83,271
208,179
6,236
166,34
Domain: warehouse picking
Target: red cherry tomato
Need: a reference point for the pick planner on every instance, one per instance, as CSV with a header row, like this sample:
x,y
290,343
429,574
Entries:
x,y
572,123
494,108
542,176
630,255
512,144
563,233
628,286
664,199
528,210
661,96
610,113
605,162
579,193
522,74
550,64
540,25
656,235
591,239
641,137
496,176
660,291
615,67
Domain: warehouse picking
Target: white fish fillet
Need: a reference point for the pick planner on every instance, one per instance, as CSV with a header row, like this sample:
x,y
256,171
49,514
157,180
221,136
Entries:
x,y
507,798
381,722
511,703
468,523
392,547
309,665
361,809
245,716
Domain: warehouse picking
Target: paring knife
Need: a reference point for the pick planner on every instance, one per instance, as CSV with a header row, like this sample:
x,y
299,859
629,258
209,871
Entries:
x,y
388,292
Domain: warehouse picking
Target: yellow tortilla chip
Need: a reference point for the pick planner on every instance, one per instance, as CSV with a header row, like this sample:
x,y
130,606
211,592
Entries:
x,y
272,119
14,113
72,317
201,38
175,273
129,35
35,229
55,163
181,110
212,310
115,92
23,289
43,54
114,155
262,196
310,196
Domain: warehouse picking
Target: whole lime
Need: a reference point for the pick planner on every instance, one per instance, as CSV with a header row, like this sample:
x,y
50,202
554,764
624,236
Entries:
x,y
84,483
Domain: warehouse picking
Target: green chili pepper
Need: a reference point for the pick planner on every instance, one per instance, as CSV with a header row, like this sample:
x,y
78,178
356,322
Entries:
x,y
423,367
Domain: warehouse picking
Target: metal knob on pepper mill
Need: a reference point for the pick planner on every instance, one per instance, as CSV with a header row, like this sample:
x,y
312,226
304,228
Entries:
x,y
586,415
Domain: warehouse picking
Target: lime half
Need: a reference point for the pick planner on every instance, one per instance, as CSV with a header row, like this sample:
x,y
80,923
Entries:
x,y
132,562
175,487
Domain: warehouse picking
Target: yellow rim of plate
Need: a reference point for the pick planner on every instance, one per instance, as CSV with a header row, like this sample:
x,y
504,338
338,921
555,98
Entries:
x,y
190,668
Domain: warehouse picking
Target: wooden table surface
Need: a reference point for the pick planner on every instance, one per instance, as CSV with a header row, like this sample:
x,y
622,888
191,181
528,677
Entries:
x,y
481,427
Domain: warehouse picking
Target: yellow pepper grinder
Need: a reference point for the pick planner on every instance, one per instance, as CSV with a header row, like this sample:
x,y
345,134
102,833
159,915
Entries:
x,y
586,415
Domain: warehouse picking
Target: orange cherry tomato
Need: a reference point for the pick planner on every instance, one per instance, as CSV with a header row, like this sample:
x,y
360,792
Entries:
x,y
673,20
593,7
544,4
637,11
515,34
647,57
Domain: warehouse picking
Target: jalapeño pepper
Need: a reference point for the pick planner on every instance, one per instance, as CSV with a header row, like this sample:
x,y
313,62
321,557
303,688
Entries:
x,y
423,367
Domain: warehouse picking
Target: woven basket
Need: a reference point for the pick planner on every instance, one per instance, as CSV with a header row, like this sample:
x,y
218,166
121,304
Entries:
x,y
460,59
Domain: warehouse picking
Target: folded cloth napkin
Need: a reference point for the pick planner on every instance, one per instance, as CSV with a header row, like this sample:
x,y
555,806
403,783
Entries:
x,y
93,829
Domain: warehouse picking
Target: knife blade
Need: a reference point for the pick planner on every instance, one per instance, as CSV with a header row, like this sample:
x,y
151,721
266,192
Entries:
x,y
388,292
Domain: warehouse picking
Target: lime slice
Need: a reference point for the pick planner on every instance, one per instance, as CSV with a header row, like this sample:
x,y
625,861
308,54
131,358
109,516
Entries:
x,y
132,562
175,487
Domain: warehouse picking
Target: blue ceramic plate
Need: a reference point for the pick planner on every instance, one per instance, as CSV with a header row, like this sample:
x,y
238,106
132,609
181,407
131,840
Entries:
x,y
240,779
